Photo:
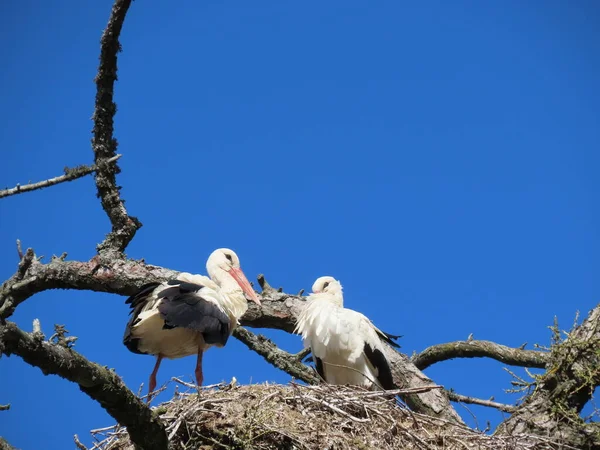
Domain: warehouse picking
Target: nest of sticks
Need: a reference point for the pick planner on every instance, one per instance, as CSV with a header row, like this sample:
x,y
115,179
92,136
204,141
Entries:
x,y
294,416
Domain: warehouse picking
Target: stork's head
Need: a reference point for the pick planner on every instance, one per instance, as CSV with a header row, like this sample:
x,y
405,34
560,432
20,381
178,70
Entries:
x,y
225,260
330,287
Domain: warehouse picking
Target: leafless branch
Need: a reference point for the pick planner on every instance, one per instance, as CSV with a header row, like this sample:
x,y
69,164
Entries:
x,y
477,401
4,445
279,311
100,384
479,349
78,443
120,276
70,175
25,263
274,355
104,144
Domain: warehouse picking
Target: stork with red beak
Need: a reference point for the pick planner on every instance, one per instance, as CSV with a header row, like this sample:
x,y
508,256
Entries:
x,y
346,347
187,315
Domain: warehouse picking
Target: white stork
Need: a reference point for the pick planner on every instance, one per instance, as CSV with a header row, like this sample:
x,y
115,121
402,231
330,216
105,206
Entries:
x,y
346,347
187,315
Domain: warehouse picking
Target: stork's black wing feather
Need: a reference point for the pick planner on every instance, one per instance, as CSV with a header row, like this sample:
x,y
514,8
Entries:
x,y
389,338
319,367
380,362
137,302
182,305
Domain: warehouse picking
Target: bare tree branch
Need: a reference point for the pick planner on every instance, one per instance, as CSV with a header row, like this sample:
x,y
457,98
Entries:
x,y
121,276
78,443
70,175
279,311
479,349
99,383
274,355
573,373
104,144
4,445
478,401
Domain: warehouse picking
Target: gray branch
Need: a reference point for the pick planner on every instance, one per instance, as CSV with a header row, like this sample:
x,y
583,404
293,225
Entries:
x,y
104,144
281,359
279,311
101,384
70,175
120,276
480,349
478,401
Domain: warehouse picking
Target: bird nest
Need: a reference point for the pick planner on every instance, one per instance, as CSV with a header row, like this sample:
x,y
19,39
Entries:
x,y
271,416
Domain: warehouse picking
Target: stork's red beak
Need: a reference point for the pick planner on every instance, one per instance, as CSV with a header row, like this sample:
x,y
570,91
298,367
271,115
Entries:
x,y
241,279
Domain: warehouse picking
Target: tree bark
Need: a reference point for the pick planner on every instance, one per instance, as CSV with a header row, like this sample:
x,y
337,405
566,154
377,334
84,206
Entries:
x,y
573,373
479,349
101,384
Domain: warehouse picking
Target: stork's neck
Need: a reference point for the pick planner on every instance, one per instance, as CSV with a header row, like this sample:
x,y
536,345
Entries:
x,y
336,299
232,296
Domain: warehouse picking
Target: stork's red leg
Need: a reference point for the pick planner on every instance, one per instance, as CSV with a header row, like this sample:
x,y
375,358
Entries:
x,y
152,382
199,375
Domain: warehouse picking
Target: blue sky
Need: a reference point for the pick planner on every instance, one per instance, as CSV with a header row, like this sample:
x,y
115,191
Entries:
x,y
439,158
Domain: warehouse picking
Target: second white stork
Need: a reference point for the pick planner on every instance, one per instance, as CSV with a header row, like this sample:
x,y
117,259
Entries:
x,y
187,315
346,347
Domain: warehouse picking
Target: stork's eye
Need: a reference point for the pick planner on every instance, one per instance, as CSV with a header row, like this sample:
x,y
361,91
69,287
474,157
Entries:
x,y
229,257
325,285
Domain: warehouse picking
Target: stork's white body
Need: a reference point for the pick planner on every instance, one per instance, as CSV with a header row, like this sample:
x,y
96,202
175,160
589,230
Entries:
x,y
346,347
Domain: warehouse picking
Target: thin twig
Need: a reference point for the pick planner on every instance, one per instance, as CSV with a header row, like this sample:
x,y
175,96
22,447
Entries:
x,y
477,401
70,175
78,443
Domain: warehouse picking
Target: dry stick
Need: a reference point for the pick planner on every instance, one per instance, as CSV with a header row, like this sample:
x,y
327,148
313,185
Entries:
x,y
335,408
70,175
477,401
480,349
78,443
